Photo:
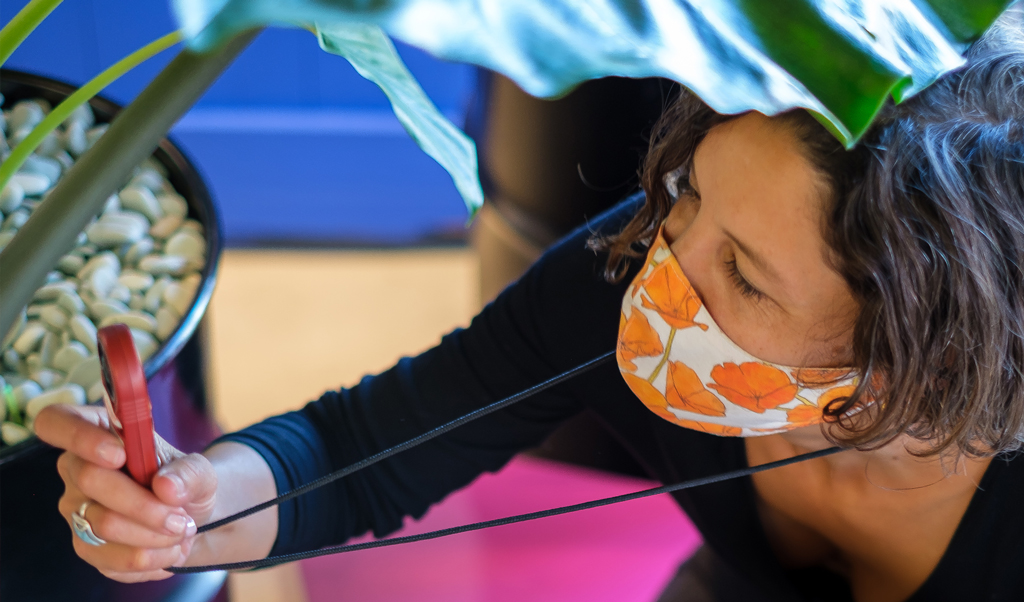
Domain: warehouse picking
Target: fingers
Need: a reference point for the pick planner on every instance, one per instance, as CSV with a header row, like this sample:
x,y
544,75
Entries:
x,y
114,490
190,481
83,431
129,561
115,527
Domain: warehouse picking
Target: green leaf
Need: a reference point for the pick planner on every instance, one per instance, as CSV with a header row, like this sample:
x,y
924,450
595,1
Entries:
x,y
371,52
840,59
14,161
23,23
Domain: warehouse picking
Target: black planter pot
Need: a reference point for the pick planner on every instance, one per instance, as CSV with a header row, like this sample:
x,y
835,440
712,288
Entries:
x,y
37,561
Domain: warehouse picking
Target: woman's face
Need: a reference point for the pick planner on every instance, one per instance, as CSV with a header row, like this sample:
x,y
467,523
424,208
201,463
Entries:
x,y
747,234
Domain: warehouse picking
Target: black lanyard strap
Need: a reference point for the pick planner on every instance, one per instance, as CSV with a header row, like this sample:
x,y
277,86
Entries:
x,y
401,447
725,476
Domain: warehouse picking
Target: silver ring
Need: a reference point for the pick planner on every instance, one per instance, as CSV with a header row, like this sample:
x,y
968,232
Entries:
x,y
81,527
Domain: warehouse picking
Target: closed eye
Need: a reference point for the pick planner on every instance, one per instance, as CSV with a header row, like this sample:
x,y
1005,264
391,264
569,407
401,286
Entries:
x,y
745,288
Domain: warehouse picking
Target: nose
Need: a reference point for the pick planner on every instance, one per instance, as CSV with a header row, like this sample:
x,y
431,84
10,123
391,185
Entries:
x,y
694,250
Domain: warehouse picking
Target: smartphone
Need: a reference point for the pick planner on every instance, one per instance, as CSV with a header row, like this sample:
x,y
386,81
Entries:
x,y
127,399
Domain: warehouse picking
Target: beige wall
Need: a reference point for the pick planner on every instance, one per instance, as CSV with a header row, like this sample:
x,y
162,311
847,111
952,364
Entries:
x,y
287,325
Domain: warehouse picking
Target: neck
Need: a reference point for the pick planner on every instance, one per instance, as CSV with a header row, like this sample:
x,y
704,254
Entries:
x,y
893,466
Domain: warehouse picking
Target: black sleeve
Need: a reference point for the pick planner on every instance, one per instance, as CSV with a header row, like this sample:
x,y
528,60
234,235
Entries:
x,y
560,314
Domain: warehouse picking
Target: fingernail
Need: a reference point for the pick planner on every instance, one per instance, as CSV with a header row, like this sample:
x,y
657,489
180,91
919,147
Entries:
x,y
176,524
190,528
110,452
179,485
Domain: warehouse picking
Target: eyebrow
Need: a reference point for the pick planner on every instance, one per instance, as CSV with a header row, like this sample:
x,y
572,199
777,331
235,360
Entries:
x,y
756,258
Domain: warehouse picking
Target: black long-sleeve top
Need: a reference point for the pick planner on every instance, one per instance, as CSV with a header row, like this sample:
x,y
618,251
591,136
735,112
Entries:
x,y
561,313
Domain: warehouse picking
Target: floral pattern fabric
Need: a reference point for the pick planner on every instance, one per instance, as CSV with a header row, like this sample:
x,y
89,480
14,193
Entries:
x,y
684,368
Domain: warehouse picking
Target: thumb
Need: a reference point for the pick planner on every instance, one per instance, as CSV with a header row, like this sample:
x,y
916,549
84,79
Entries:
x,y
190,482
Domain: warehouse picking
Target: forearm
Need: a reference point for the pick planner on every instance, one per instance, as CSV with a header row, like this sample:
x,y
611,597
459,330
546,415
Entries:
x,y
243,479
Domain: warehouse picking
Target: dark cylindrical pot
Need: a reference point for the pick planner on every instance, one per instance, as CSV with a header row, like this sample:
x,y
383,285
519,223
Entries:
x,y
37,561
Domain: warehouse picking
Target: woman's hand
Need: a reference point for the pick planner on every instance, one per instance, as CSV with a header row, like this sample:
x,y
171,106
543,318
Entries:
x,y
145,530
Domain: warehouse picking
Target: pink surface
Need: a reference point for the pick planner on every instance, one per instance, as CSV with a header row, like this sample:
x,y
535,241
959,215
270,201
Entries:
x,y
624,552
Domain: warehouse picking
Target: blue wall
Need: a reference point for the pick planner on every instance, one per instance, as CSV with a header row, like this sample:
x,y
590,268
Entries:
x,y
296,146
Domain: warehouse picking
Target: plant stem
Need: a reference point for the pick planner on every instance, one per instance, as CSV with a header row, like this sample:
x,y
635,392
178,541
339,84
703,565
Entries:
x,y
23,23
664,358
80,194
81,96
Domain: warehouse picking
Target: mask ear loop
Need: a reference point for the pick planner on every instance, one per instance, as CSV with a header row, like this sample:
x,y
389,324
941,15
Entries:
x,y
401,447
436,432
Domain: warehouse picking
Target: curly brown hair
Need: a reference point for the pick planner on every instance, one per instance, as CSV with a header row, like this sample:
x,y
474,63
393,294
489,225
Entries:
x,y
925,221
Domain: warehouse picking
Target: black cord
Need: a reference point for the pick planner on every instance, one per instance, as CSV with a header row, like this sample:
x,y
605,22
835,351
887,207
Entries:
x,y
427,436
725,476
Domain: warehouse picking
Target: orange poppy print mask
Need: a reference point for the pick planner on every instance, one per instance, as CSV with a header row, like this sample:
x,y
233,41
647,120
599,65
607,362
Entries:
x,y
685,369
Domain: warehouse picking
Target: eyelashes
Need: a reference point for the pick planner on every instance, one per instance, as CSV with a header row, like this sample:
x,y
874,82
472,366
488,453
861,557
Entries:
x,y
741,284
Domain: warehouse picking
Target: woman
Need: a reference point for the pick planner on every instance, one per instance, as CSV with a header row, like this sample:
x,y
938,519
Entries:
x,y
769,283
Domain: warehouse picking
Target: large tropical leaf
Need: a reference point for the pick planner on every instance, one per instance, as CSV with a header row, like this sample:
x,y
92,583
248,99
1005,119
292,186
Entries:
x,y
370,51
839,58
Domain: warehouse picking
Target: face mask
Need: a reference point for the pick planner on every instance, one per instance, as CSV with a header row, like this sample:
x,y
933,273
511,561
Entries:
x,y
685,369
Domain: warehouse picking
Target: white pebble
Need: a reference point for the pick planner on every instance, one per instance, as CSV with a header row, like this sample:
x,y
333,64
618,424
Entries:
x,y
135,280
47,379
173,204
145,344
86,373
166,322
25,392
133,319
70,395
84,331
106,307
12,360
29,338
111,205
119,292
69,356
44,166
149,178
25,114
33,363
138,198
163,264
54,317
191,224
83,115
95,392
138,250
165,227
154,296
32,184
112,230
16,220
50,144
11,197
178,298
48,349
64,159
14,434
70,302
74,139
105,259
101,282
95,133
186,243
70,264
51,292
137,302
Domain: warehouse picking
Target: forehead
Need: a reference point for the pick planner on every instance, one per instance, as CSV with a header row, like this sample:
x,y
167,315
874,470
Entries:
x,y
761,188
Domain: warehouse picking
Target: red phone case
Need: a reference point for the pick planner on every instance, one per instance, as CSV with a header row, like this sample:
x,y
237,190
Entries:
x,y
131,415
